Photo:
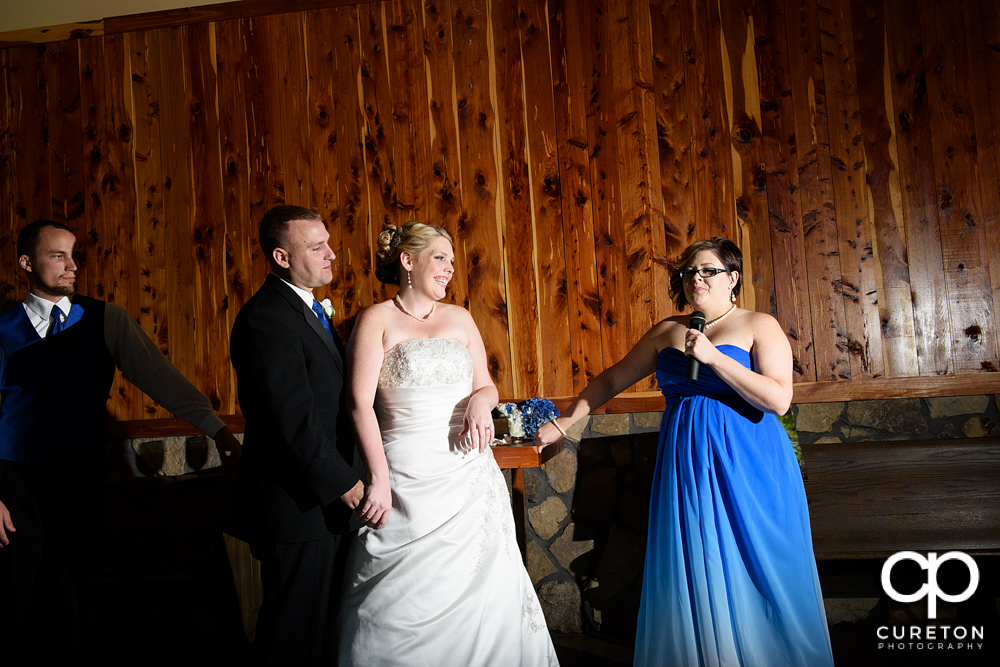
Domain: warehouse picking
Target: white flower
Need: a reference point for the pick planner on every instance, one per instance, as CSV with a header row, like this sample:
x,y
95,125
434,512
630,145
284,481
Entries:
x,y
328,308
515,420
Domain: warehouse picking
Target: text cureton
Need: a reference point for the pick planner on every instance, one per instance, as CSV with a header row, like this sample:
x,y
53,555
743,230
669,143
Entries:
x,y
930,633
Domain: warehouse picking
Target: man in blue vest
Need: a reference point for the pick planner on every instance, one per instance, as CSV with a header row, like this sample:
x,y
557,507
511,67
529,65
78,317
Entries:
x,y
58,354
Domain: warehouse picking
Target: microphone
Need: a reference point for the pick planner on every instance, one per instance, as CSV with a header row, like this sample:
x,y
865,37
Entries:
x,y
697,323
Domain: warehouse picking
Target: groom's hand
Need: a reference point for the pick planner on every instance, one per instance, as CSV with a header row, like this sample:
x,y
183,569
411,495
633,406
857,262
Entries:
x,y
353,497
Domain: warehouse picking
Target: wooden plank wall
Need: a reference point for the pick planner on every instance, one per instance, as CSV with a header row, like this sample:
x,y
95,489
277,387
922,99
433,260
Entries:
x,y
573,147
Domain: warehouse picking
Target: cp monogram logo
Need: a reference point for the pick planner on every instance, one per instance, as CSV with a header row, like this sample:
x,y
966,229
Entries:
x,y
930,589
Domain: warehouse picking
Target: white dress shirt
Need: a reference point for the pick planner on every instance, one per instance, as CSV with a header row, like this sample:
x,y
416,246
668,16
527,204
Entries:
x,y
40,311
306,295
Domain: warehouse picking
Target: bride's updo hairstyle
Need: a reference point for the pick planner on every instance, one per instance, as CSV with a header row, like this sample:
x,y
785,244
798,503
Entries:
x,y
413,237
728,253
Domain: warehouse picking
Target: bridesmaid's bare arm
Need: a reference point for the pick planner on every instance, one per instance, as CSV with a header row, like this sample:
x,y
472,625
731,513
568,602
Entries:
x,y
637,364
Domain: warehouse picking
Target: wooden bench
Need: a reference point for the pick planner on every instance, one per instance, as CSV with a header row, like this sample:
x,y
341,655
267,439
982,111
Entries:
x,y
872,499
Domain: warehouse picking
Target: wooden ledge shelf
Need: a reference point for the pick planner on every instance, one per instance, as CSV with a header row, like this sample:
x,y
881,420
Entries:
x,y
652,401
524,456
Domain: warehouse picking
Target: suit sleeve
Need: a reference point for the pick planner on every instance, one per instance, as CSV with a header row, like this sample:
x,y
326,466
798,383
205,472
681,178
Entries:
x,y
142,363
269,356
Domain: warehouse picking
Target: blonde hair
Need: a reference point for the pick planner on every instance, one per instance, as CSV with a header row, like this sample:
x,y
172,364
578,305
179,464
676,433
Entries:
x,y
412,238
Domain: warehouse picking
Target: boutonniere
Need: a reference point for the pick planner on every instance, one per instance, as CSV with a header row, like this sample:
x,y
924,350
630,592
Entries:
x,y
328,308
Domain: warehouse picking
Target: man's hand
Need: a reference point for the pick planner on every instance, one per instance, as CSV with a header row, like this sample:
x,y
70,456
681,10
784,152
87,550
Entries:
x,y
6,525
353,497
229,451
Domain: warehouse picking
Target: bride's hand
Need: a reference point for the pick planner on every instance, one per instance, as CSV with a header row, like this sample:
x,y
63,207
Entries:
x,y
376,504
478,423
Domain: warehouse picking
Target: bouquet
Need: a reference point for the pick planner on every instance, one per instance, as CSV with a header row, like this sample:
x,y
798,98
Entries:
x,y
524,419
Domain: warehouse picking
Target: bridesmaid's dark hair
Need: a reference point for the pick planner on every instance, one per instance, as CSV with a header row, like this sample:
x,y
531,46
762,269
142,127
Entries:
x,y
411,238
726,250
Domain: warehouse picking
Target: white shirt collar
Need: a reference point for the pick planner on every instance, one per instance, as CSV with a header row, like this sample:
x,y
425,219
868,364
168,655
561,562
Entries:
x,y
43,307
306,295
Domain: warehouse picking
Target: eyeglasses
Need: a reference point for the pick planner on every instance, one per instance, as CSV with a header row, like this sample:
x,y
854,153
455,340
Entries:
x,y
704,273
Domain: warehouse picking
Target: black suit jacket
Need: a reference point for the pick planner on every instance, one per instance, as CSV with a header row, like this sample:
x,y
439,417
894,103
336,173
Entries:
x,y
299,454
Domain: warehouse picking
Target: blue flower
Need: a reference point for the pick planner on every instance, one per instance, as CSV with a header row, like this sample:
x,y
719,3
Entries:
x,y
535,412
525,419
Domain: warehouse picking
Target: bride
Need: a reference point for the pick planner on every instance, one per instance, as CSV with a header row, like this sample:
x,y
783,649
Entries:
x,y
435,576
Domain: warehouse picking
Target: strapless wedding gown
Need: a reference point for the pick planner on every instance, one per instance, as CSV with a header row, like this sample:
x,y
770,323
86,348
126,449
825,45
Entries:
x,y
442,582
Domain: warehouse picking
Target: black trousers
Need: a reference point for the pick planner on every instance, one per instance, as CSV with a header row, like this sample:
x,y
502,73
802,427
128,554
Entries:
x,y
303,584
56,511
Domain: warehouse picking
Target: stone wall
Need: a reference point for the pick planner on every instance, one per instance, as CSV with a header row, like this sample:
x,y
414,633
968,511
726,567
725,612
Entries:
x,y
169,456
897,419
587,514
588,506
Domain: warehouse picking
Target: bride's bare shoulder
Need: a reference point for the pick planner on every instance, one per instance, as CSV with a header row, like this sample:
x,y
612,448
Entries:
x,y
453,311
375,314
374,310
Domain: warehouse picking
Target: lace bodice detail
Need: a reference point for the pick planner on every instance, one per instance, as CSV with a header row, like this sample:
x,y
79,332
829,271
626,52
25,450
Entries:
x,y
422,362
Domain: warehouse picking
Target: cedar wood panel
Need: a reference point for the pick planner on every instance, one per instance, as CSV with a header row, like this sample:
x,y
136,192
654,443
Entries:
x,y
573,148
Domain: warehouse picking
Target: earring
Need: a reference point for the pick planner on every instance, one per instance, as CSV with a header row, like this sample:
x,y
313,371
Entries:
x,y
409,282
732,297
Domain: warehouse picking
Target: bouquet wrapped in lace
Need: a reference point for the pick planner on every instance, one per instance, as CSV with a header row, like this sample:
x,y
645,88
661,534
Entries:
x,y
522,420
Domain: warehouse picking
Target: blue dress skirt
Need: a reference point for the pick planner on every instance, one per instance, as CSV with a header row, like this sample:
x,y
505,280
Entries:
x,y
730,576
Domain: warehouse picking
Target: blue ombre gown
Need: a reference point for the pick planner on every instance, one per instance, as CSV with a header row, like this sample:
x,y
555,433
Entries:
x,y
730,577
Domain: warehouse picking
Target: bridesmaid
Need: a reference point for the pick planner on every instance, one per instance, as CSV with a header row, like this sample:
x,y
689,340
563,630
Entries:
x,y
730,577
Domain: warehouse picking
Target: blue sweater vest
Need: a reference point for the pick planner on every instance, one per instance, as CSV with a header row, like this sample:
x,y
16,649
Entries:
x,y
55,390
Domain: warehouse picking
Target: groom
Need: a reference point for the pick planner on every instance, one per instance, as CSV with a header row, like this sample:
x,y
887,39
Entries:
x,y
300,472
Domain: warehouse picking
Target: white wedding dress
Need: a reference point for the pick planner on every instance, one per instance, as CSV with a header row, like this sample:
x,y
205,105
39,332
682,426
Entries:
x,y
442,583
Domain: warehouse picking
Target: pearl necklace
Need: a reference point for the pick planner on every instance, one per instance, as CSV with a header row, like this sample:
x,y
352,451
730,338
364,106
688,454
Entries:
x,y
718,319
418,319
